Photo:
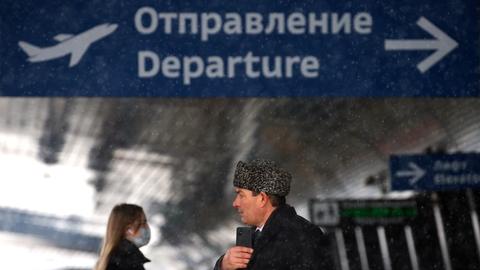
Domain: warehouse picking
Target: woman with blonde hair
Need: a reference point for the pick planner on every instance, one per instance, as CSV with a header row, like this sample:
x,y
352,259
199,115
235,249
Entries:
x,y
127,231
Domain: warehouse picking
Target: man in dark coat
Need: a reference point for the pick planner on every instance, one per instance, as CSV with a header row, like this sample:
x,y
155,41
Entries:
x,y
286,241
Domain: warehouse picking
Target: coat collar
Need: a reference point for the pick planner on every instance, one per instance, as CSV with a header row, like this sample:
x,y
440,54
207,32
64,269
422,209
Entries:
x,y
273,226
127,248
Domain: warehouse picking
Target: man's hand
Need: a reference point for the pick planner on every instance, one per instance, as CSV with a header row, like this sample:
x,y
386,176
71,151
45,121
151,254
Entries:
x,y
236,258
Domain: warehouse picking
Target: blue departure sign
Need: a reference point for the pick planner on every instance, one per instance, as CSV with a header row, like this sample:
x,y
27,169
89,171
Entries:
x,y
239,48
435,172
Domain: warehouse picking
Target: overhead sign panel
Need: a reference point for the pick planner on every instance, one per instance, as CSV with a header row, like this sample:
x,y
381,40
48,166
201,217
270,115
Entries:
x,y
239,48
435,172
362,212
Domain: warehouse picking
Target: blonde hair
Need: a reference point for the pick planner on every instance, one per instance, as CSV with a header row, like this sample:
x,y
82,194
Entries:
x,y
121,217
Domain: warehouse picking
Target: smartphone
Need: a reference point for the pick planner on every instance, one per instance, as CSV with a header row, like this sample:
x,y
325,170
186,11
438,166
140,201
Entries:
x,y
244,236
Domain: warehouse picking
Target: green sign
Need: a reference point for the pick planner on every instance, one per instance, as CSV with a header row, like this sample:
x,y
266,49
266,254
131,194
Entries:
x,y
378,212
362,212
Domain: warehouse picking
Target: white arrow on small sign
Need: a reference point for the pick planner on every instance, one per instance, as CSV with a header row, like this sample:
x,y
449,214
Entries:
x,y
442,44
415,172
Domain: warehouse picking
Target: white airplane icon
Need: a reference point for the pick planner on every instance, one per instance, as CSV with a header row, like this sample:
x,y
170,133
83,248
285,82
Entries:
x,y
76,45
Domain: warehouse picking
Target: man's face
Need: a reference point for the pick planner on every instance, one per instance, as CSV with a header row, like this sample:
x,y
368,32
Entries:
x,y
248,206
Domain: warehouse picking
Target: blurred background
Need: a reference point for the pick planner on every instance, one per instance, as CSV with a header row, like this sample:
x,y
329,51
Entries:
x,y
67,161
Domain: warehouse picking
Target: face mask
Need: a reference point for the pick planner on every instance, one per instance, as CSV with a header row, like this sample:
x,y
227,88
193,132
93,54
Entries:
x,y
143,238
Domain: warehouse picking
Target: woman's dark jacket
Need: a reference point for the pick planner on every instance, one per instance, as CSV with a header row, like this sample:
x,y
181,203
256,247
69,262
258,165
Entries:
x,y
126,256
289,242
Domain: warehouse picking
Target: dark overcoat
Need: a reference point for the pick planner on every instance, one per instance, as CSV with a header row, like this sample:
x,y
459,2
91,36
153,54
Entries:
x,y
289,242
127,256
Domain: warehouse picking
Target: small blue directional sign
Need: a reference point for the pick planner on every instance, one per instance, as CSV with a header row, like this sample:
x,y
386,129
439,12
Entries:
x,y
240,48
435,172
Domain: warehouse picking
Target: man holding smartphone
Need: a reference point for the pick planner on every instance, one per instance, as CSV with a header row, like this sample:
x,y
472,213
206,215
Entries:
x,y
283,240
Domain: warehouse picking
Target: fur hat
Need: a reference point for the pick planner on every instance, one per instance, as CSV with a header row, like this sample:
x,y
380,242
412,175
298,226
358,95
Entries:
x,y
262,175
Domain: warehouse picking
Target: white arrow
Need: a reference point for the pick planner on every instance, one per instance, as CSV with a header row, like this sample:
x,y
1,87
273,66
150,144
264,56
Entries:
x,y
442,44
416,173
